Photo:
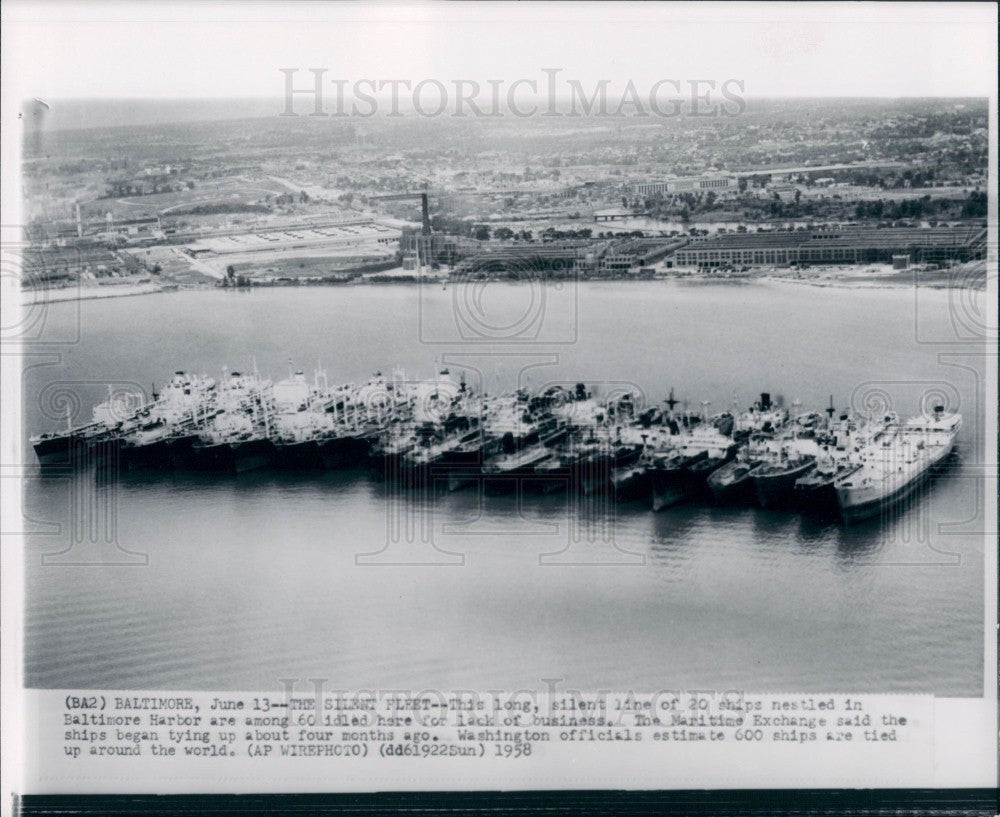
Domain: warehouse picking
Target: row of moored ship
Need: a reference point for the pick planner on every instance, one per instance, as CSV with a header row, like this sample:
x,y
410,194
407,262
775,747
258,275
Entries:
x,y
437,432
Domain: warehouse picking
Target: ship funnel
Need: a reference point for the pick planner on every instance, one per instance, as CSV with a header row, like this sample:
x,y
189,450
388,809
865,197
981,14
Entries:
x,y
765,401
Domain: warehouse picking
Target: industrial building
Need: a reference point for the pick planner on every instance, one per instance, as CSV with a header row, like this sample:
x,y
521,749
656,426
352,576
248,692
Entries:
x,y
611,258
339,236
636,254
691,184
550,258
849,245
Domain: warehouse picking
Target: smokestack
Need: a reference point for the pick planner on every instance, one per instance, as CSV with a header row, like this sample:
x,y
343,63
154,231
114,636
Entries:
x,y
79,222
425,214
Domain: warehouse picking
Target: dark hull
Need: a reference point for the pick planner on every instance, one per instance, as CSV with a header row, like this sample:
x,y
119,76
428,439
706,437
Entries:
x,y
674,484
464,462
737,491
237,457
153,455
506,480
815,493
703,469
298,455
181,451
630,483
59,450
344,452
777,488
594,474
105,452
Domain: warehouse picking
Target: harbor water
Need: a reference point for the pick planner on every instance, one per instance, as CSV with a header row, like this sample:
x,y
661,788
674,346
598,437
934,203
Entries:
x,y
178,580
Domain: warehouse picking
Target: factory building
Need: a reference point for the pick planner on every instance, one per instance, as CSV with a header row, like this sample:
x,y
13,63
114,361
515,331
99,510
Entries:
x,y
692,184
836,246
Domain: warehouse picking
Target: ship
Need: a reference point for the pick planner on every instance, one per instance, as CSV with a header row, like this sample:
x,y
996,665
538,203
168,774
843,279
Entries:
x,y
373,424
669,478
630,480
387,448
789,457
108,419
585,461
840,447
514,464
508,423
720,446
774,479
446,433
437,458
732,483
697,449
302,418
237,438
896,464
595,470
815,491
170,423
235,443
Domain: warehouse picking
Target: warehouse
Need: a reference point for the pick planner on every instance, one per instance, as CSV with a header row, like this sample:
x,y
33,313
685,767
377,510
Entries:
x,y
851,245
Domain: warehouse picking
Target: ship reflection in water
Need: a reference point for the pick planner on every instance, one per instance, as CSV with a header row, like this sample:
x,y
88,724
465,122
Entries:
x,y
300,572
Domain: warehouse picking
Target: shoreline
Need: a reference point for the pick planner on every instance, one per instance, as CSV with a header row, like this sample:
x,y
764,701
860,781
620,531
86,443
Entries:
x,y
70,294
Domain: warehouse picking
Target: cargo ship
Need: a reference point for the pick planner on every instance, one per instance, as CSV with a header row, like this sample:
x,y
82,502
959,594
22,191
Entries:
x,y
696,452
732,483
514,464
839,456
170,423
896,463
118,412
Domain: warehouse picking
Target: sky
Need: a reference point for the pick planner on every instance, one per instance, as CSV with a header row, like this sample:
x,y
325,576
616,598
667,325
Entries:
x,y
150,50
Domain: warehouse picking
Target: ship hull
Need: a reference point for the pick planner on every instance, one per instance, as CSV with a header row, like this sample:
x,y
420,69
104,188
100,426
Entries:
x,y
674,484
857,505
237,457
733,486
152,455
105,452
182,452
701,471
505,480
303,454
59,450
595,474
449,463
343,452
818,494
775,489
630,483
508,481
